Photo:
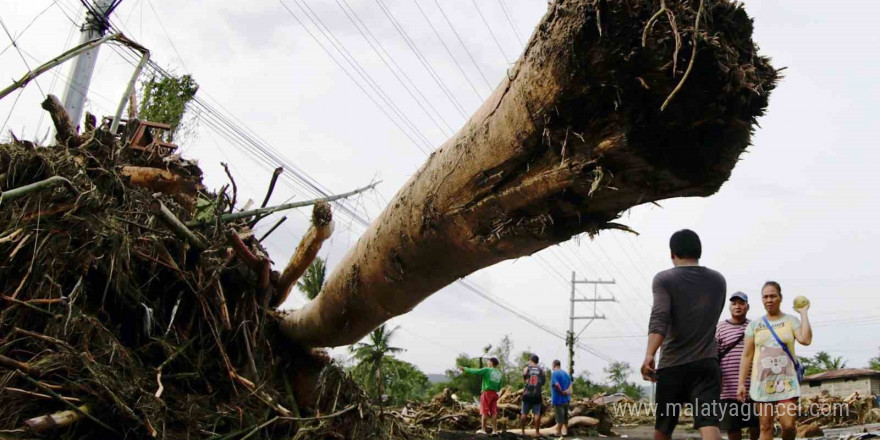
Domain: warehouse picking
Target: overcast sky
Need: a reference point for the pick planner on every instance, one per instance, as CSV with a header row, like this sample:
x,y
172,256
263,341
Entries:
x,y
800,208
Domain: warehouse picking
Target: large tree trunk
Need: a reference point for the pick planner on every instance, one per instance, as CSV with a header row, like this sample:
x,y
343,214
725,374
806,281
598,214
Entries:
x,y
571,138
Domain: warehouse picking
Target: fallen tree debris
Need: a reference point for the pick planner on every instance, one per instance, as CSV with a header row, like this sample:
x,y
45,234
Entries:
x,y
142,324
569,140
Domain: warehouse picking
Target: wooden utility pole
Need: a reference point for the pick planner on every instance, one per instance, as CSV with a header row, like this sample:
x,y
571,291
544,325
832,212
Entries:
x,y
570,337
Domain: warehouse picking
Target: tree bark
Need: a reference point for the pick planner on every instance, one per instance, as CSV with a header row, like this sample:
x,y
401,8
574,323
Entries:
x,y
65,129
571,138
320,230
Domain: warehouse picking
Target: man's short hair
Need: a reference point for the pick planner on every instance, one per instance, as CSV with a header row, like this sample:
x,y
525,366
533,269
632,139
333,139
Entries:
x,y
493,361
534,358
556,363
686,244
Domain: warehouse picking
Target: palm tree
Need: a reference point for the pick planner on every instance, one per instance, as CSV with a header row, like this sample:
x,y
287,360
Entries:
x,y
823,361
370,355
313,280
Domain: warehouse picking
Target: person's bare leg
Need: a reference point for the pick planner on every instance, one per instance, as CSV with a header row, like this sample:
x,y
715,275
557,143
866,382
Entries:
x,y
735,434
495,422
523,422
710,433
660,435
765,411
538,424
754,433
483,422
788,419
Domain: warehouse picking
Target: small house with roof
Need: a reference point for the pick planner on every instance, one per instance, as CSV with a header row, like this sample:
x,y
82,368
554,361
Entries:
x,y
842,382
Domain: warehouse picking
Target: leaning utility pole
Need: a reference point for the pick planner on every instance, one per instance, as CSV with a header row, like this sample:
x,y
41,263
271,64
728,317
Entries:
x,y
570,338
96,24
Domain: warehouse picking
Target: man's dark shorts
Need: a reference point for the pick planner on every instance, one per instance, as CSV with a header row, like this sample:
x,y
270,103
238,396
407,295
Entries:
x,y
696,383
531,406
560,413
737,415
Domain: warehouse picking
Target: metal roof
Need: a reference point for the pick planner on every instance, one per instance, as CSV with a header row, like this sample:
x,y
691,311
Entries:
x,y
843,373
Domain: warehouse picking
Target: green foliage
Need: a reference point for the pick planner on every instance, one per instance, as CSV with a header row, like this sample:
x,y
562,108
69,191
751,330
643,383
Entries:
x,y
874,363
369,356
633,390
466,386
821,362
582,386
510,368
617,373
165,100
401,381
313,280
404,382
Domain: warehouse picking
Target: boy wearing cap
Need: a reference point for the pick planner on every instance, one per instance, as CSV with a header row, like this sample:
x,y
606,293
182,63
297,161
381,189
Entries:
x,y
491,384
729,338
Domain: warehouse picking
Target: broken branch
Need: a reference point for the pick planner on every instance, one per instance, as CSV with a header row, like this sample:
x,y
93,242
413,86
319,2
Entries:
x,y
63,419
273,228
81,410
163,213
321,230
13,364
275,175
17,193
250,213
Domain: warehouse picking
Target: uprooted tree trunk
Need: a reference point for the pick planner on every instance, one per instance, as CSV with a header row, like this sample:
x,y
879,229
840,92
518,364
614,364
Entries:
x,y
572,137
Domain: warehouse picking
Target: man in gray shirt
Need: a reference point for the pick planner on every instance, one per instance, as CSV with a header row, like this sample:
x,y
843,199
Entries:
x,y
688,301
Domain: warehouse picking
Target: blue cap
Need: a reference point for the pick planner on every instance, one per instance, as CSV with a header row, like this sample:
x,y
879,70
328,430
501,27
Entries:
x,y
739,295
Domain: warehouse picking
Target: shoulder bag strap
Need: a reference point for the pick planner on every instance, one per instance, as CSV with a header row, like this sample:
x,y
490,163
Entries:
x,y
782,344
732,346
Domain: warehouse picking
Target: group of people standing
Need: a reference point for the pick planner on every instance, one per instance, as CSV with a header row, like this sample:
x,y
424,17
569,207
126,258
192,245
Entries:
x,y
532,400
736,374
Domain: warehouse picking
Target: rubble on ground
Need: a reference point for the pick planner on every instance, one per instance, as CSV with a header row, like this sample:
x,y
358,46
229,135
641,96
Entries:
x,y
444,411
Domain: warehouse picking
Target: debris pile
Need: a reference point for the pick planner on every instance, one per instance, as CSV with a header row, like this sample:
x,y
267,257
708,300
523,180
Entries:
x,y
828,411
136,303
446,412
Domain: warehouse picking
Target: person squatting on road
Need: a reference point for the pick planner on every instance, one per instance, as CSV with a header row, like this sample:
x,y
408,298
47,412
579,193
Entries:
x,y
688,301
491,384
769,358
560,396
730,340
531,400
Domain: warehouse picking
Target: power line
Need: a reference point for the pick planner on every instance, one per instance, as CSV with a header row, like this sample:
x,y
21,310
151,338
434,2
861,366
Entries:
x,y
449,52
460,41
489,28
17,49
362,72
34,20
170,41
424,61
347,73
509,21
448,130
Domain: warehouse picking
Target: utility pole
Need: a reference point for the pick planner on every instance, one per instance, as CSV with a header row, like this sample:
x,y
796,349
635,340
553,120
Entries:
x,y
571,338
93,28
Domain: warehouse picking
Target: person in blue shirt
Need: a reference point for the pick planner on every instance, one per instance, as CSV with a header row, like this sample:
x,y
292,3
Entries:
x,y
560,393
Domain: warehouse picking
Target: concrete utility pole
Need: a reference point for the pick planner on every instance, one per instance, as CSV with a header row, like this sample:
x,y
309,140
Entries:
x,y
93,28
571,338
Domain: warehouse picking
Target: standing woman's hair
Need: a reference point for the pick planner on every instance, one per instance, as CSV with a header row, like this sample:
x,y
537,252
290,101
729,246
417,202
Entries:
x,y
774,284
